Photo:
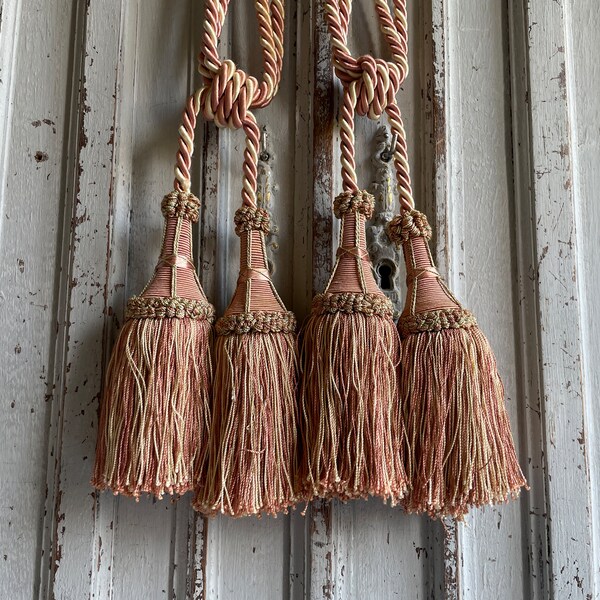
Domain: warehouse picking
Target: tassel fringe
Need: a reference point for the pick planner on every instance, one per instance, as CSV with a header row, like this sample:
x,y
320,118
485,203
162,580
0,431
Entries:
x,y
253,440
154,418
352,423
460,451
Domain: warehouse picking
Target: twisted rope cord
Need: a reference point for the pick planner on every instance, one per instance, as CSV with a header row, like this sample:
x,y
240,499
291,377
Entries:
x,y
229,93
370,86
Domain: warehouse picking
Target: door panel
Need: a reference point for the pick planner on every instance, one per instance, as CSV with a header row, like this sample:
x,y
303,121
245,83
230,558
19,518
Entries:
x,y
504,145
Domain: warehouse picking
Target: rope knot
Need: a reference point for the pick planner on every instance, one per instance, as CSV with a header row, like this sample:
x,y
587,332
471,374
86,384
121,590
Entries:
x,y
407,225
228,95
376,87
359,201
248,218
181,204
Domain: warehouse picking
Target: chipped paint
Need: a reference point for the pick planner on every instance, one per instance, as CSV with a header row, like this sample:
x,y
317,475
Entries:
x,y
91,135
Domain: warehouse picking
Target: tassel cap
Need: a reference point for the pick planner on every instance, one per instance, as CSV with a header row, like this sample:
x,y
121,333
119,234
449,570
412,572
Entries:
x,y
174,290
430,306
256,305
353,272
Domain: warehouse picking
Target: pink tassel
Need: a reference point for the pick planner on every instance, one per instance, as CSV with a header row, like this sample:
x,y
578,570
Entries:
x,y
352,424
459,451
253,446
154,415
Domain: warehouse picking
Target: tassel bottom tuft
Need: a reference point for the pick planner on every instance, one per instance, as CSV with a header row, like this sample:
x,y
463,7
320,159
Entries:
x,y
352,422
154,416
460,451
253,440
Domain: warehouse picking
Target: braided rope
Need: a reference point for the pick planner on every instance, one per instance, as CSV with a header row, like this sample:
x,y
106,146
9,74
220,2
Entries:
x,y
436,320
229,93
407,225
370,86
257,322
351,303
149,307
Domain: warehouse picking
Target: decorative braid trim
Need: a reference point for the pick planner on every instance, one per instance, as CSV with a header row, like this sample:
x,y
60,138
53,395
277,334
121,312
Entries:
x,y
350,303
360,202
407,225
436,320
181,204
257,322
160,307
248,218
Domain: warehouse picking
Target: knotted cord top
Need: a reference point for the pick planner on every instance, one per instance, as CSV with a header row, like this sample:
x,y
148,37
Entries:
x,y
370,86
229,93
227,97
174,290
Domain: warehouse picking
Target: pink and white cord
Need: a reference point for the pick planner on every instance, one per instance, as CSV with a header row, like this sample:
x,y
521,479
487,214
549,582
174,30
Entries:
x,y
229,94
371,85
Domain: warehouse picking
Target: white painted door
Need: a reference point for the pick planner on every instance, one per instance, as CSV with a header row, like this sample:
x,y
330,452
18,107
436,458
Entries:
x,y
503,113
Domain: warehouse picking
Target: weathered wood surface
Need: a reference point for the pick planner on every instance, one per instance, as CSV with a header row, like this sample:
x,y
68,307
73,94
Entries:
x,y
503,116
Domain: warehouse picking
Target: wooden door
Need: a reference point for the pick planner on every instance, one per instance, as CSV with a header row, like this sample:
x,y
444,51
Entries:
x,y
503,116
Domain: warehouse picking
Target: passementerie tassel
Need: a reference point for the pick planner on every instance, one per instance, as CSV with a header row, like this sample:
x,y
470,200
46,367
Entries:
x,y
253,439
154,413
459,447
350,351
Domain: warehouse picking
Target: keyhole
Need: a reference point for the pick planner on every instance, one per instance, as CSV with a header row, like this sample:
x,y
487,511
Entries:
x,y
386,274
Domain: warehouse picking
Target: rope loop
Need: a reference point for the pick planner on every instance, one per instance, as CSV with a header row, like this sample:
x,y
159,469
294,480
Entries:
x,y
227,98
229,94
371,85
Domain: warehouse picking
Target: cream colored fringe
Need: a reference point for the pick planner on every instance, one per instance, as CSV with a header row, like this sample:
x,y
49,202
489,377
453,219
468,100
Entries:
x,y
352,422
154,419
253,440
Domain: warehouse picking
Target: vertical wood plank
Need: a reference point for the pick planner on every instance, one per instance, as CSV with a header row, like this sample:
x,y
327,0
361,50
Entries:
x,y
529,387
554,162
320,581
80,531
36,53
584,34
151,545
480,222
437,187
300,56
483,229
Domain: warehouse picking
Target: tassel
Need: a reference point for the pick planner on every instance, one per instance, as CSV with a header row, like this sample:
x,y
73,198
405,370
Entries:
x,y
154,416
253,438
350,351
460,452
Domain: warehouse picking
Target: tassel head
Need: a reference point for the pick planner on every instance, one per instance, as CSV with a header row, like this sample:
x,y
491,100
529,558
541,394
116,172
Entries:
x,y
351,423
154,415
253,438
459,448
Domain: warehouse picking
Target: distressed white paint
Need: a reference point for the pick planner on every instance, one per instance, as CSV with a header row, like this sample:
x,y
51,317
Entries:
x,y
505,145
